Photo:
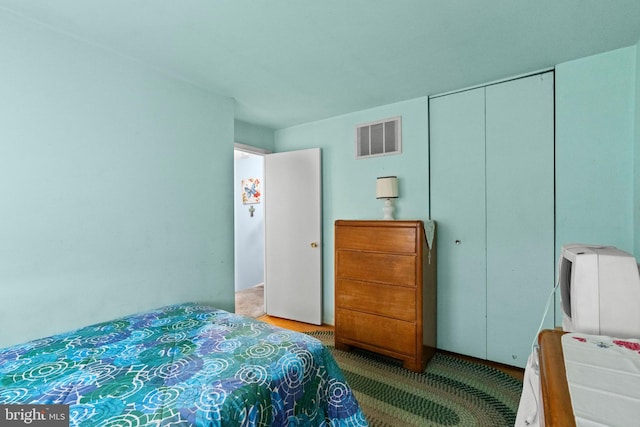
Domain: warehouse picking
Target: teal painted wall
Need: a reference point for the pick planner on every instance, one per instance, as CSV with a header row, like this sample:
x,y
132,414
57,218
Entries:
x,y
111,177
595,114
636,157
595,108
107,171
254,135
596,131
348,185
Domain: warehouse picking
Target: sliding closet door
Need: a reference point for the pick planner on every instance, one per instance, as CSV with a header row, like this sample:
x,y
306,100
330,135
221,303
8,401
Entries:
x,y
520,213
457,157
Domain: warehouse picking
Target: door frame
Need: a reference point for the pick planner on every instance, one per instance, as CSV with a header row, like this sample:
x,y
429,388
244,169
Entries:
x,y
257,152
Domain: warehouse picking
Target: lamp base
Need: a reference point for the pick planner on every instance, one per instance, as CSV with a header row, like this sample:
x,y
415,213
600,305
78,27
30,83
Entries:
x,y
387,210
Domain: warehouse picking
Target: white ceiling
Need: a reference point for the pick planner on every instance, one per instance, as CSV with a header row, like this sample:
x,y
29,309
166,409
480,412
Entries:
x,y
287,62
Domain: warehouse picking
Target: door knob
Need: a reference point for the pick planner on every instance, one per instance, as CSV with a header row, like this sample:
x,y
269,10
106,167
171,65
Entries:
x,y
314,244
458,242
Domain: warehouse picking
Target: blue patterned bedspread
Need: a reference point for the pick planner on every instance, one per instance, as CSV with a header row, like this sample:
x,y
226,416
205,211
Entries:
x,y
182,365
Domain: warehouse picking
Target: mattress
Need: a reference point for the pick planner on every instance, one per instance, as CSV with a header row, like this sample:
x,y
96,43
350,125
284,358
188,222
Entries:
x,y
181,365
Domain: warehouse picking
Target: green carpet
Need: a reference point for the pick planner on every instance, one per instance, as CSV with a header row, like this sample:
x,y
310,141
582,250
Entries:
x,y
450,392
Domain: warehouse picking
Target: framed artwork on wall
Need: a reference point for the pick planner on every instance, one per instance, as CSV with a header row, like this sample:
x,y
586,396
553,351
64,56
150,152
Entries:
x,y
250,191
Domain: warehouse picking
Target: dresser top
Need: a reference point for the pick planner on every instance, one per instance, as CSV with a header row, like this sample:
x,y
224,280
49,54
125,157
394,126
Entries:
x,y
379,223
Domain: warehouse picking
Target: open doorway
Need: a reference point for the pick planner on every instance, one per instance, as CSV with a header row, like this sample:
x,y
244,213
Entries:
x,y
249,230
288,247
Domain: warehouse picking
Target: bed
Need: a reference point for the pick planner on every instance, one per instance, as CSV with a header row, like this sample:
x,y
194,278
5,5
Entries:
x,y
589,380
182,365
556,401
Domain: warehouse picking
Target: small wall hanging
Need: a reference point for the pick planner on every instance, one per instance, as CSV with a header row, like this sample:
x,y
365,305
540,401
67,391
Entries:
x,y
251,191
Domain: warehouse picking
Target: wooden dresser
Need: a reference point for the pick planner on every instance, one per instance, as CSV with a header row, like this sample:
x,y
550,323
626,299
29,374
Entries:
x,y
385,290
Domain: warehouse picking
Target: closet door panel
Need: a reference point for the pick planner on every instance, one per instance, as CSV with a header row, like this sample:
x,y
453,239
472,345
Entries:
x,y
457,158
520,213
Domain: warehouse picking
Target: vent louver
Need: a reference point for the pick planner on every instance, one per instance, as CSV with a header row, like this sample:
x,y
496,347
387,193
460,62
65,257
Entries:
x,y
379,138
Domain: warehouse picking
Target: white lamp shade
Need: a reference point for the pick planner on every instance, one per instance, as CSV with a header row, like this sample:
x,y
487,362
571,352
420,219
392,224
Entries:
x,y
387,187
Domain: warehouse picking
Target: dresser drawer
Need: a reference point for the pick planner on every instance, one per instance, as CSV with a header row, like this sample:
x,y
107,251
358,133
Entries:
x,y
385,300
389,334
377,239
378,267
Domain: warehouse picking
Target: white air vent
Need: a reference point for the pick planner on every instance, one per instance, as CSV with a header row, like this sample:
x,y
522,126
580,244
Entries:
x,y
379,138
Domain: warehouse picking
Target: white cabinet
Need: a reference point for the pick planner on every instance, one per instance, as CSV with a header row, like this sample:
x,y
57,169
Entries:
x,y
492,193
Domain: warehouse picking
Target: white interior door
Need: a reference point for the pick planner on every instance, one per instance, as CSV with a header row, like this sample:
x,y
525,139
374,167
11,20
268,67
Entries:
x,y
293,232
